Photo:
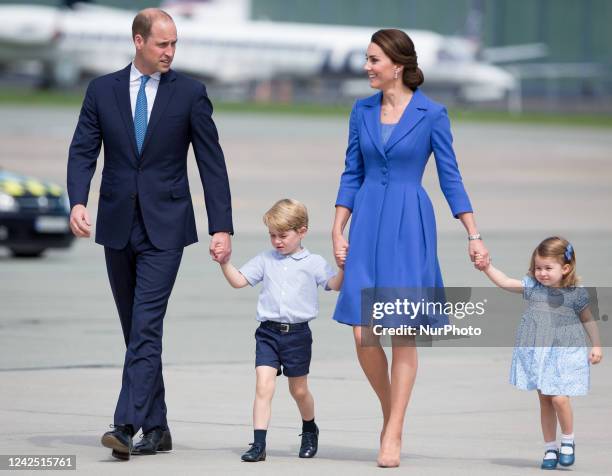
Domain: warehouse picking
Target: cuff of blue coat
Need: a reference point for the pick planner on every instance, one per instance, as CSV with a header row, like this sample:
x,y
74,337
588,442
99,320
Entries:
x,y
457,213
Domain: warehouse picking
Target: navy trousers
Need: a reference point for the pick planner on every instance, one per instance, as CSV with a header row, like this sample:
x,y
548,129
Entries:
x,y
141,278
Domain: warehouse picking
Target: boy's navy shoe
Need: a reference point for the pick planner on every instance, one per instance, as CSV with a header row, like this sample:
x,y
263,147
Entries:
x,y
119,440
567,460
550,463
153,441
310,444
257,452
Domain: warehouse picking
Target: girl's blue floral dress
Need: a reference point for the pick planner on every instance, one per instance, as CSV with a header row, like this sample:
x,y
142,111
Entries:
x,y
551,351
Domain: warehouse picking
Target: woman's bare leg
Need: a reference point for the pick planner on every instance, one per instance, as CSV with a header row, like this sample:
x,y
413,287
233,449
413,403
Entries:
x,y
373,361
403,374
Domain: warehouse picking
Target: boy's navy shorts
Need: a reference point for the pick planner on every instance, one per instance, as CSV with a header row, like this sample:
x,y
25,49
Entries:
x,y
284,346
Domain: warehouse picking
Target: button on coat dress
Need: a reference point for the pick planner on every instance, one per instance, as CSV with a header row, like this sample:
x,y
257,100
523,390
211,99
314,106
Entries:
x,y
392,238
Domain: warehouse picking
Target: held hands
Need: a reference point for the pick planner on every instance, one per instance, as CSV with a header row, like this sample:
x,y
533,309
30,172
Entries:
x,y
340,250
80,223
479,255
220,248
596,355
480,263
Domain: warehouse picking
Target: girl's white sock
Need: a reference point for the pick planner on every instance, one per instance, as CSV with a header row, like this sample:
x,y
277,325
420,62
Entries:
x,y
550,445
567,450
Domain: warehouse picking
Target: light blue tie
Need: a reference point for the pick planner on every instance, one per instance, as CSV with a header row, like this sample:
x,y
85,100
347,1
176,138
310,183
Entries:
x,y
140,115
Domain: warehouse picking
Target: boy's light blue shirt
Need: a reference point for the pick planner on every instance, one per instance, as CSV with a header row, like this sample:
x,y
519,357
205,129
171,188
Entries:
x,y
289,292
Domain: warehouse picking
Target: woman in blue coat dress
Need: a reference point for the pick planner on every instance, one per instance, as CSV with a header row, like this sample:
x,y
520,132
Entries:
x,y
393,231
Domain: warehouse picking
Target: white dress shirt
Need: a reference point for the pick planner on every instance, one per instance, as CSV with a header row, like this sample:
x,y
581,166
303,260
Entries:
x,y
150,89
289,291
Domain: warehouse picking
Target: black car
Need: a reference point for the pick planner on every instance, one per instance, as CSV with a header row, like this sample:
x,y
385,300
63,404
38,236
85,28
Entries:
x,y
34,215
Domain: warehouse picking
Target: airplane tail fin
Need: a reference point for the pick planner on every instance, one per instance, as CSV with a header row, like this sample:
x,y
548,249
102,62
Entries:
x,y
474,22
209,10
72,3
473,32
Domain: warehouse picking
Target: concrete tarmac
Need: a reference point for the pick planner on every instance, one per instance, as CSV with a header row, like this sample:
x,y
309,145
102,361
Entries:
x,y
61,347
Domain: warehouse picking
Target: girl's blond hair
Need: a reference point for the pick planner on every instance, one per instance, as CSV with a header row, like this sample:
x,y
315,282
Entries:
x,y
563,251
286,214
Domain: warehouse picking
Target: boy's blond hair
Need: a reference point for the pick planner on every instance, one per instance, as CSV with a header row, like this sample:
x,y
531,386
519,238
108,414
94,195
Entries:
x,y
285,215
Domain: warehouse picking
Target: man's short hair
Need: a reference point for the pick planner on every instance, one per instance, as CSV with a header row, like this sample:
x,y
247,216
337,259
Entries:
x,y
144,20
286,215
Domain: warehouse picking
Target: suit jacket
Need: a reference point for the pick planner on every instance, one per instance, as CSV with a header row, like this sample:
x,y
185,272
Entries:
x,y
157,177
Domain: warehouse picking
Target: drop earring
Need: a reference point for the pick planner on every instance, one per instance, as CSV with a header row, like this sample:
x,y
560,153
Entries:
x,y
395,75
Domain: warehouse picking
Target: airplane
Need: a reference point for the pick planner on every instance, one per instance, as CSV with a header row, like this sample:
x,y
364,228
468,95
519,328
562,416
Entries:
x,y
218,41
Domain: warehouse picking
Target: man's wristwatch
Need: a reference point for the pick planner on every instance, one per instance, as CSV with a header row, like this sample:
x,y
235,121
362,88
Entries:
x,y
474,237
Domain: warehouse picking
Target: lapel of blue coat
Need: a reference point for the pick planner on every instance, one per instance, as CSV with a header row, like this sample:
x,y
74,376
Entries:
x,y
371,118
412,115
165,91
122,94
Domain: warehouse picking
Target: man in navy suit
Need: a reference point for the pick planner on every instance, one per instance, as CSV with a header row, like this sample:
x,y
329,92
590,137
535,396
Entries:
x,y
146,115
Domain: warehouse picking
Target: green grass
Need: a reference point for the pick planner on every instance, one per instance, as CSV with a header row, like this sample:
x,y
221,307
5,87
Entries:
x,y
537,118
301,109
26,97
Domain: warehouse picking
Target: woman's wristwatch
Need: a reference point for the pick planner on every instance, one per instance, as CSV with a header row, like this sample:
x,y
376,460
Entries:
x,y
474,237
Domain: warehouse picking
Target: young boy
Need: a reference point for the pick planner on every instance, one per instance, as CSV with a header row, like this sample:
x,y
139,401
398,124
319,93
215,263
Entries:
x,y
288,300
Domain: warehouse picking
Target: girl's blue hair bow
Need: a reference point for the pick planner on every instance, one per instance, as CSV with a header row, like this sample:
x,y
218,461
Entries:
x,y
569,250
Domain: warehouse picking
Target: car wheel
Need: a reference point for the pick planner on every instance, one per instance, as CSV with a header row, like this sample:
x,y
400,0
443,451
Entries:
x,y
29,253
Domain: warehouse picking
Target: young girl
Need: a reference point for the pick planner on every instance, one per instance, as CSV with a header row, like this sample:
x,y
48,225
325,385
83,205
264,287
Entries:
x,y
550,354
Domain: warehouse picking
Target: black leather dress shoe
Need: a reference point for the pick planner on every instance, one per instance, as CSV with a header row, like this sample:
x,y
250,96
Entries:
x,y
310,444
153,441
256,453
119,440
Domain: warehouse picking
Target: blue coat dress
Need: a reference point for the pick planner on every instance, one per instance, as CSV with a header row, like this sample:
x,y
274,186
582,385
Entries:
x,y
392,238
